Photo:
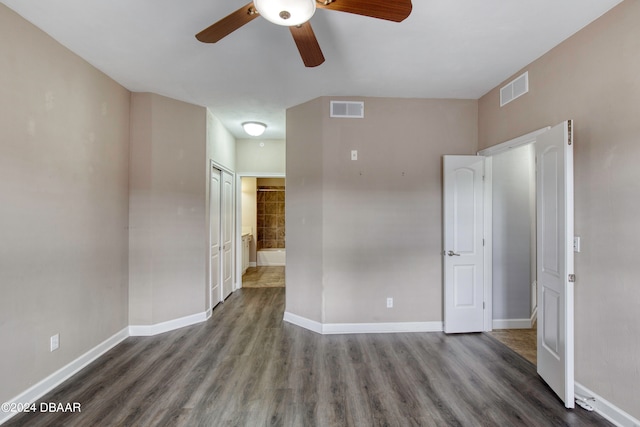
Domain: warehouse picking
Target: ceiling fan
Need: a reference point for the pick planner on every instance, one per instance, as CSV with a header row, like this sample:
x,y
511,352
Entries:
x,y
296,14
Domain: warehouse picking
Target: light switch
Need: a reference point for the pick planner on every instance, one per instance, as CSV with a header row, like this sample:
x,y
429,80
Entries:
x,y
576,244
354,154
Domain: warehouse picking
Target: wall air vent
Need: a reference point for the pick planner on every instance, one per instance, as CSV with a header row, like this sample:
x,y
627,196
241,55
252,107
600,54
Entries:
x,y
347,109
518,87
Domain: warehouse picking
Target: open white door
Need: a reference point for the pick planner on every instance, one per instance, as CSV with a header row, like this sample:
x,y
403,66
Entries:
x,y
554,198
463,244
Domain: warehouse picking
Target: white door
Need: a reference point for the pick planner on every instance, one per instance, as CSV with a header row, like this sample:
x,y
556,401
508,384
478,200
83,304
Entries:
x,y
214,238
554,198
463,244
227,234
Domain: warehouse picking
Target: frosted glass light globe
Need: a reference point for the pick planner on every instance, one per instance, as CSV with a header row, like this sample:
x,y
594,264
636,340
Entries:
x,y
288,13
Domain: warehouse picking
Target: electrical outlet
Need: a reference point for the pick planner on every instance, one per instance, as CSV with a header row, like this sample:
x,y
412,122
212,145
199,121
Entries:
x,y
389,302
354,154
54,342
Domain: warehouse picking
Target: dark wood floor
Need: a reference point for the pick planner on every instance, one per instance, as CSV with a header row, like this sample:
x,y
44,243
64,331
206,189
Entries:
x,y
246,367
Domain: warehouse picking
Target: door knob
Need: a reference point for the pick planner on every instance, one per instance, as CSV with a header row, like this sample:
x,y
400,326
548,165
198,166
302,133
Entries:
x,y
451,253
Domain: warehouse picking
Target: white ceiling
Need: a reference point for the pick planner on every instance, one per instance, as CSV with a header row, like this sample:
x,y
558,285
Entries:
x,y
444,49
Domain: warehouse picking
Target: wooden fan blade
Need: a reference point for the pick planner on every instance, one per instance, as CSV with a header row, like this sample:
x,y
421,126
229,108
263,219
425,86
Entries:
x,y
390,10
228,24
307,45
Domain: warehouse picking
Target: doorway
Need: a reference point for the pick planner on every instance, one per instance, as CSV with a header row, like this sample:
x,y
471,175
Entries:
x,y
263,231
512,201
514,249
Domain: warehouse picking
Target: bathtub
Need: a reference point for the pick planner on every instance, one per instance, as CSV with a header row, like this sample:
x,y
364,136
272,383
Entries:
x,y
271,257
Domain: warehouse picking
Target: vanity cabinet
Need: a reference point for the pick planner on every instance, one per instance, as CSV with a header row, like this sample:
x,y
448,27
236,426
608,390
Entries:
x,y
246,244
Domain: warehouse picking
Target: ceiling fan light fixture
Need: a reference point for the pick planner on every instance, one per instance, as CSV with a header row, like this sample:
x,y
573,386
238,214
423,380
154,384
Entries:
x,y
254,128
287,13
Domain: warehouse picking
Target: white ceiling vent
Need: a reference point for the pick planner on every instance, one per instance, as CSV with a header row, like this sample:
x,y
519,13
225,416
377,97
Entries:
x,y
347,109
515,89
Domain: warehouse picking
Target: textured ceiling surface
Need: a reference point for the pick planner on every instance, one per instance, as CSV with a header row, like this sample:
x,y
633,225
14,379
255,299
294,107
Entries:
x,y
444,49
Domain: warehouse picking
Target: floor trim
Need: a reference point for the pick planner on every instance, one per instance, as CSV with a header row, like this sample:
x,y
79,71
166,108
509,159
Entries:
x,y
607,409
169,325
511,323
32,394
361,328
303,322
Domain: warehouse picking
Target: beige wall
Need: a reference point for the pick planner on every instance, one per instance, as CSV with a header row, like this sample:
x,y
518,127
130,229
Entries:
x,y
64,131
304,210
594,78
371,228
221,145
256,159
167,217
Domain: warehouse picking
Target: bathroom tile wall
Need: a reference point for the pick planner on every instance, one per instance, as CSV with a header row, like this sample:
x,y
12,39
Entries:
x,y
270,207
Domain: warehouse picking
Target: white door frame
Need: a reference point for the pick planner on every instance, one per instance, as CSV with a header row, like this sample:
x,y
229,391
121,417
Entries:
x,y
488,153
239,176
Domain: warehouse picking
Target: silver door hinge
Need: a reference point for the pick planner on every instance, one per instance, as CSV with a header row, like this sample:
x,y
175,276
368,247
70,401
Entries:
x,y
483,306
570,131
572,278
482,242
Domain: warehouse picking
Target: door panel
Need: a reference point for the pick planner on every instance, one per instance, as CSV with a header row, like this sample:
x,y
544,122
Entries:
x,y
214,237
554,199
227,234
463,245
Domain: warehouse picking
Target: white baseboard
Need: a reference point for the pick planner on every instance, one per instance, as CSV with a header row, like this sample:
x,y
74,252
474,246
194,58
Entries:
x,y
534,316
252,264
170,325
361,328
303,322
32,394
511,323
606,409
379,328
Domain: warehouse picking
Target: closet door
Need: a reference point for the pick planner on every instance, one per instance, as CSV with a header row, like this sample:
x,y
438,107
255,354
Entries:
x,y
227,222
214,237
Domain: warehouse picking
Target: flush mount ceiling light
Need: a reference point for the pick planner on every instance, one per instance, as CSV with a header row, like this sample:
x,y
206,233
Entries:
x,y
286,12
254,128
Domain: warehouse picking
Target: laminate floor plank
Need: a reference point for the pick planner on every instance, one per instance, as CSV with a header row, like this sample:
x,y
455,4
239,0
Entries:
x,y
246,367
